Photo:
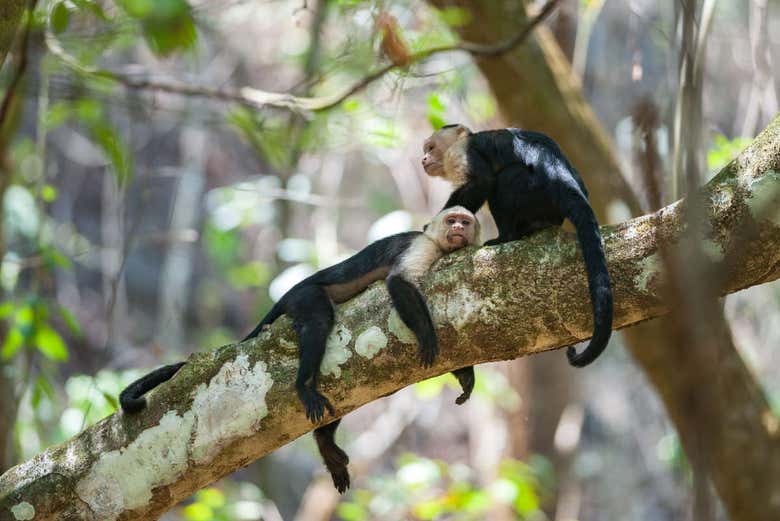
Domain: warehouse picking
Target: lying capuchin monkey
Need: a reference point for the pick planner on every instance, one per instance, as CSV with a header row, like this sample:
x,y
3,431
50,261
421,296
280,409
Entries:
x,y
401,260
529,185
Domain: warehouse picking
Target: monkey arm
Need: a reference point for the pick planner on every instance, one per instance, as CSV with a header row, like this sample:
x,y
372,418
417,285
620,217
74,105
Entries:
x,y
411,307
480,180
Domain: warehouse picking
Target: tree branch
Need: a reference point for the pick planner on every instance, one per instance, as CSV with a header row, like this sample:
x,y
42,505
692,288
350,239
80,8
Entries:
x,y
234,404
10,15
256,98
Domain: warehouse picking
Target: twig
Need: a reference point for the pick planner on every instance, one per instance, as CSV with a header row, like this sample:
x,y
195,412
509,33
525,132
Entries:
x,y
256,98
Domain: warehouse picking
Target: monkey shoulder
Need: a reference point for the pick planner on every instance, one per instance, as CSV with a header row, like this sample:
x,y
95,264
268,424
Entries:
x,y
417,259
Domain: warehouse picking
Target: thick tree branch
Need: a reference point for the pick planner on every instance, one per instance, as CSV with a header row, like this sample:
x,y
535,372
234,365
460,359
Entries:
x,y
258,99
10,15
232,405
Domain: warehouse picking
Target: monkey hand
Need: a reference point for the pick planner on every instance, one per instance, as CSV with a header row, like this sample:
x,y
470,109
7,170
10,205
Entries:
x,y
315,404
427,352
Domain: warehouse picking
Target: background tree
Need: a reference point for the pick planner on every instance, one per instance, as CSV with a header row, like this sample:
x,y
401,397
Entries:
x,y
174,166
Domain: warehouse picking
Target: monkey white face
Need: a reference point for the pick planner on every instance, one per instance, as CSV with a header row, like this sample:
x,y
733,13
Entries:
x,y
436,146
454,228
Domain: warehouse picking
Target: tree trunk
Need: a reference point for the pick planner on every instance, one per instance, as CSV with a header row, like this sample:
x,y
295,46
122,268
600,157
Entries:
x,y
10,16
203,425
550,100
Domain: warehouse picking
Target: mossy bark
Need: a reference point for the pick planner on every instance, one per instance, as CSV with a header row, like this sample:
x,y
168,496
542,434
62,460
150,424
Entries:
x,y
476,298
535,88
10,15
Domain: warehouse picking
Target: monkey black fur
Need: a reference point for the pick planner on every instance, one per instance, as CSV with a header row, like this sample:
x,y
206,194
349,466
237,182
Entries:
x,y
529,185
401,260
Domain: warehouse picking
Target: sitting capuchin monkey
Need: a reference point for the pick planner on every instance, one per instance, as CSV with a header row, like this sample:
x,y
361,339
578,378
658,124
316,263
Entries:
x,y
401,260
529,185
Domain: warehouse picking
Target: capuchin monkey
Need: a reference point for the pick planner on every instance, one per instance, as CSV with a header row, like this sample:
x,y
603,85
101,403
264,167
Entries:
x,y
401,260
529,185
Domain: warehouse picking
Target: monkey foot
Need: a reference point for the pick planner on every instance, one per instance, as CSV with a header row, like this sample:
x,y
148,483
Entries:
x,y
428,355
315,404
466,379
336,461
340,479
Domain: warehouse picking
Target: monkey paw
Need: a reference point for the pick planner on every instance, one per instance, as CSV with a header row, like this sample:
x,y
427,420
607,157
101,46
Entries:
x,y
315,405
340,479
336,461
428,354
466,379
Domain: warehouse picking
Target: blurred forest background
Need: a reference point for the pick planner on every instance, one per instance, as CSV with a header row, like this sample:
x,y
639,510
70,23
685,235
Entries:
x,y
153,206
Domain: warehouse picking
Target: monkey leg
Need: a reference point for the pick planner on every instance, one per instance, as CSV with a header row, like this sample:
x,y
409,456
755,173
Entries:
x,y
465,376
414,312
312,313
335,459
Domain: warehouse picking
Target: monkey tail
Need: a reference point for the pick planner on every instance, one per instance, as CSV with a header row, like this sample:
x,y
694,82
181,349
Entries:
x,y
584,220
132,398
276,312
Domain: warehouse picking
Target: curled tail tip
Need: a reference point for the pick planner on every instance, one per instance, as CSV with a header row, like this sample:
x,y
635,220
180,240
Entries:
x,y
131,405
582,359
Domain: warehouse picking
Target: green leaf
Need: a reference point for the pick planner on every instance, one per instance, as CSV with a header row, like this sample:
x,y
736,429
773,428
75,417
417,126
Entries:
x,y
89,111
430,388
58,114
50,343
455,16
41,388
6,308
12,343
54,258
166,37
70,320
198,512
48,193
352,512
168,25
252,274
212,497
116,152
723,150
111,399
92,7
60,17
137,8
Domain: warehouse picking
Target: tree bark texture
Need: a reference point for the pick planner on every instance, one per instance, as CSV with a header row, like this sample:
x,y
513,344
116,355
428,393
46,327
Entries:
x,y
536,75
10,15
236,403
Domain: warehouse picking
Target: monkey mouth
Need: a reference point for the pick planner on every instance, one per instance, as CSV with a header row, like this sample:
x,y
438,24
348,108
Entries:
x,y
457,237
431,169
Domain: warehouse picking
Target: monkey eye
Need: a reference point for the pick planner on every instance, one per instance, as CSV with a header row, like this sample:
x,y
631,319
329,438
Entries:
x,y
465,223
450,221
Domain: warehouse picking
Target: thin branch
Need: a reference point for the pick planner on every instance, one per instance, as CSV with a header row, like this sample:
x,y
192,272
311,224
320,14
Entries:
x,y
256,98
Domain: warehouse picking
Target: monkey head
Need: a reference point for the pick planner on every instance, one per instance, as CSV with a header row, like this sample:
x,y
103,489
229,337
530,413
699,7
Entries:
x,y
436,148
454,228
